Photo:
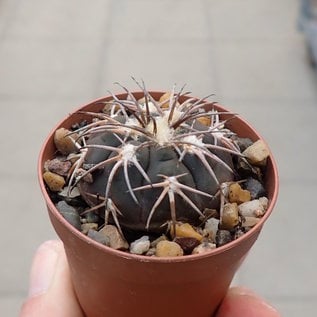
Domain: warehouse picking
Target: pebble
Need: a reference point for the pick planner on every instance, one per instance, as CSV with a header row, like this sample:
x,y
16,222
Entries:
x,y
85,227
255,188
211,228
187,244
210,213
230,216
204,247
156,241
249,222
74,193
140,246
109,106
187,231
54,181
79,125
58,166
116,241
87,176
165,99
245,169
223,237
204,120
238,233
151,252
243,143
73,157
99,237
237,194
168,249
91,217
72,198
254,208
257,153
64,142
69,213
264,202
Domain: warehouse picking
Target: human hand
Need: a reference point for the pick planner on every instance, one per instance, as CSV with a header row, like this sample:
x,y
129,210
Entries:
x,y
50,280
51,292
241,301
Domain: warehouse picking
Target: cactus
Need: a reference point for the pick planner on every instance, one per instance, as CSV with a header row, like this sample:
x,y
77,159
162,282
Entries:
x,y
144,164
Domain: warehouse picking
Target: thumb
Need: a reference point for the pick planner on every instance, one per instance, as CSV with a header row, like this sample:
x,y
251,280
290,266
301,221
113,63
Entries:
x,y
243,302
51,292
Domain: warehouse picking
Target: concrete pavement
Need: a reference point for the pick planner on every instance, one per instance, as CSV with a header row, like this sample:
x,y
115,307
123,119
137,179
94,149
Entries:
x,y
57,55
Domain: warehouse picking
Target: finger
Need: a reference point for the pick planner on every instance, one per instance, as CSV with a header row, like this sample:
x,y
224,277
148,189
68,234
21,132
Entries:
x,y
243,302
51,293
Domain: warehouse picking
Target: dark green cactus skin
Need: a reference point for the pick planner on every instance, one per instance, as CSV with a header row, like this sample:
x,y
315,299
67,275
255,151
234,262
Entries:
x,y
156,160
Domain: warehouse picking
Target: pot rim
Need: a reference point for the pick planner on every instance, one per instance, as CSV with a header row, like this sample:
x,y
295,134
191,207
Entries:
x,y
142,258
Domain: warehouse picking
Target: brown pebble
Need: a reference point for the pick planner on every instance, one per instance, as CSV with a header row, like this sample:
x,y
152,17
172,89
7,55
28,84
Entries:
x,y
257,153
88,178
64,142
238,195
54,181
57,166
111,106
249,222
187,244
116,241
204,120
85,227
165,99
187,231
230,216
167,248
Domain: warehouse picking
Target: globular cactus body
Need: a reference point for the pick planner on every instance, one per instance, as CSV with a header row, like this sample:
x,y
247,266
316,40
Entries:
x,y
151,164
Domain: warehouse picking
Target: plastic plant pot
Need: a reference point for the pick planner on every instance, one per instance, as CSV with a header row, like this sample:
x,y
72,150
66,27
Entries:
x,y
114,283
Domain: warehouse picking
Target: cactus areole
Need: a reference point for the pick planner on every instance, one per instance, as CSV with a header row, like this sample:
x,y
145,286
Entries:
x,y
144,164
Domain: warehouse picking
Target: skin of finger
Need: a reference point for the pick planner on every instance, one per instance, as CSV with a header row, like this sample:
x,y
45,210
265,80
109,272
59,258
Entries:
x,y
59,299
243,302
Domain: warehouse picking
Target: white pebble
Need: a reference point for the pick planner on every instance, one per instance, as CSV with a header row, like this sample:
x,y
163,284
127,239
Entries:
x,y
257,153
140,246
254,208
264,202
211,228
204,247
249,222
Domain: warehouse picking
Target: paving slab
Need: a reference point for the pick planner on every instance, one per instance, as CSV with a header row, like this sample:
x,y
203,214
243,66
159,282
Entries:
x,y
151,62
57,55
58,19
282,263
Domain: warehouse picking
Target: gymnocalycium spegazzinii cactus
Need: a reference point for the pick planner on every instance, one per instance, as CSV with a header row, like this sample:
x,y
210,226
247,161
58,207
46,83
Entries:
x,y
148,163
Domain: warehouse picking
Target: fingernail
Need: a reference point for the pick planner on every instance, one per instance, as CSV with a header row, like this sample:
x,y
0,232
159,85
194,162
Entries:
x,y
43,267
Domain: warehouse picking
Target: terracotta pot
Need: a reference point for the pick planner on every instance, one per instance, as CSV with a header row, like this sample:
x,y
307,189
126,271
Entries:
x,y
114,283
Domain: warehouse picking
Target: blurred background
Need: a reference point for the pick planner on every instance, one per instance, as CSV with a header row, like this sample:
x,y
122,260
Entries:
x,y
56,55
